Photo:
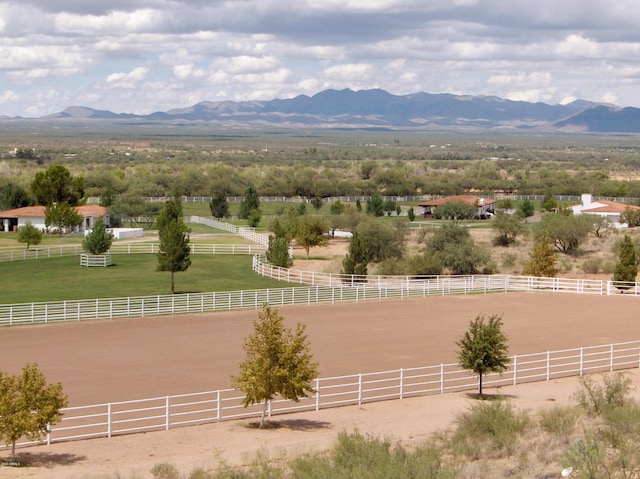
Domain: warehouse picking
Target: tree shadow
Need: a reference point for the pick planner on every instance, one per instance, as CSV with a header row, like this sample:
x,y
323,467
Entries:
x,y
490,397
46,459
291,424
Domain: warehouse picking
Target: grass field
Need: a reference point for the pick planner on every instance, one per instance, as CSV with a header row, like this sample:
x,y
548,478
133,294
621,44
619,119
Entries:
x,y
132,275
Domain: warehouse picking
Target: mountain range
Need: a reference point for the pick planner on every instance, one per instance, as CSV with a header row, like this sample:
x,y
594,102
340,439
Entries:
x,y
378,109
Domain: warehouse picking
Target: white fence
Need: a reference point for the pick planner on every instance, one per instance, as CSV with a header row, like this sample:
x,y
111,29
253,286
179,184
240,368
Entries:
x,y
163,413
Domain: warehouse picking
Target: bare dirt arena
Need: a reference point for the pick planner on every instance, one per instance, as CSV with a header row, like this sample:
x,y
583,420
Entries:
x,y
114,360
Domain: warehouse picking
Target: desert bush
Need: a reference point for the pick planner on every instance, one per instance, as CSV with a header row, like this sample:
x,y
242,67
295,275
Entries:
x,y
597,399
559,421
509,260
592,265
489,426
165,470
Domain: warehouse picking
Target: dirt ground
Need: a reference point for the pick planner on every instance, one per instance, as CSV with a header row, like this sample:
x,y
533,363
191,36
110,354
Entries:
x,y
112,360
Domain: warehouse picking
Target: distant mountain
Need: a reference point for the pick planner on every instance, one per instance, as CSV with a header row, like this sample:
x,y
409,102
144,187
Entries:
x,y
380,109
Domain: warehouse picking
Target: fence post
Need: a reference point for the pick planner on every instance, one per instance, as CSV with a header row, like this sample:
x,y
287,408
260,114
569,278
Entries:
x,y
109,420
317,394
218,406
611,359
441,378
548,365
515,370
581,361
401,382
359,389
166,406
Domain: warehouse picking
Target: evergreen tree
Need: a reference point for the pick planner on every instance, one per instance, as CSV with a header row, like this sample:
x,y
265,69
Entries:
x,y
526,209
356,260
219,206
28,405
250,202
483,348
375,205
626,269
411,214
99,240
278,361
278,252
29,234
175,253
542,259
57,185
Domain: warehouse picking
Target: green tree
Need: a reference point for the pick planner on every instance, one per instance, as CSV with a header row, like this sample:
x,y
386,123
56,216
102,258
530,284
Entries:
x,y
382,239
29,234
626,269
630,216
174,254
355,261
455,210
311,231
317,203
254,218
28,405
13,195
549,203
133,210
507,228
337,208
57,185
278,361
542,259
99,240
526,209
389,206
483,348
62,217
219,205
250,202
411,214
375,205
454,246
566,230
278,252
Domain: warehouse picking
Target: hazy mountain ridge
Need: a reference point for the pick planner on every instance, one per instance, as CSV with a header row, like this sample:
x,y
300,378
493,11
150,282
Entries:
x,y
380,109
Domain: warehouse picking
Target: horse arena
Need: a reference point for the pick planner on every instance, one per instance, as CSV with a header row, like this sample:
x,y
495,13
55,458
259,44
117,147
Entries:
x,y
126,359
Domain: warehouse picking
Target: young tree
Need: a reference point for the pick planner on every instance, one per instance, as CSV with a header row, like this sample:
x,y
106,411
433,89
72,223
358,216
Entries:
x,y
317,203
99,240
254,218
507,228
375,205
337,207
219,205
311,231
251,201
631,216
29,234
526,209
62,217
483,348
542,259
411,214
549,203
278,361
455,248
175,253
626,269
28,405
389,206
278,252
355,261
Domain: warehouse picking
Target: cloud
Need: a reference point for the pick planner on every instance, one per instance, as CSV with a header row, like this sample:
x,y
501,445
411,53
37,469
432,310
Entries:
x,y
260,49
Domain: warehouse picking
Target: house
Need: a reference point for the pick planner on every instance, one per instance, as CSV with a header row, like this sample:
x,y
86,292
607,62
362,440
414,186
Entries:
x,y
11,220
610,210
485,205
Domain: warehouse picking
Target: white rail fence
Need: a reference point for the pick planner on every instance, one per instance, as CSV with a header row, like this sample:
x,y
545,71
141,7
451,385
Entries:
x,y
163,413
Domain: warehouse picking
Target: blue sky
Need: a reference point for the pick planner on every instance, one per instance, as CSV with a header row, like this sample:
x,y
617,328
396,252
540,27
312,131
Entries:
x,y
141,56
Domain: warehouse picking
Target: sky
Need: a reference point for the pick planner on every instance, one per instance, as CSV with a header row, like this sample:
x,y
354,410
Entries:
x,y
141,56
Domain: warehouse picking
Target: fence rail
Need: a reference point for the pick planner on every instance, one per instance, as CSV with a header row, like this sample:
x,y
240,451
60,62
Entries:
x,y
163,413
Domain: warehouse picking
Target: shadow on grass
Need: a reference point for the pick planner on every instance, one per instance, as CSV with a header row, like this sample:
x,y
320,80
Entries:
x,y
46,459
292,424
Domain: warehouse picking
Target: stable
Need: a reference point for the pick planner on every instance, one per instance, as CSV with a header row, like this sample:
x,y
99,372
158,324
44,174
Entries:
x,y
485,205
11,220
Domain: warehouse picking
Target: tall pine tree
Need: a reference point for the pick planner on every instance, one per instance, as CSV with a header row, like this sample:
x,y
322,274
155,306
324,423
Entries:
x,y
175,252
626,269
356,260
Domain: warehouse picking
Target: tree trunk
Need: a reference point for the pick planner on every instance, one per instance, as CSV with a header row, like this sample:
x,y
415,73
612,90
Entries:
x,y
480,385
264,412
13,451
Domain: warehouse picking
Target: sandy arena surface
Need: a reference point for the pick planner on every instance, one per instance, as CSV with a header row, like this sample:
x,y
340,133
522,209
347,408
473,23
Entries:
x,y
105,361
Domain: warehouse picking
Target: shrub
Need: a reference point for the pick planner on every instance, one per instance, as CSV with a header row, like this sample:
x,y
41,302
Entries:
x,y
492,425
559,421
597,399
165,470
592,265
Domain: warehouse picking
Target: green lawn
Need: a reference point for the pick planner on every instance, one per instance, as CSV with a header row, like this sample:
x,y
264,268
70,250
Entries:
x,y
132,275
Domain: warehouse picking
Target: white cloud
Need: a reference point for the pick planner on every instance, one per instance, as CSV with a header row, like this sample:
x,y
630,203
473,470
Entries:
x,y
127,80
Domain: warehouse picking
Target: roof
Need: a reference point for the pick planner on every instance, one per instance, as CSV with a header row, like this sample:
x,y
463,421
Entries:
x,y
607,206
39,211
468,199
